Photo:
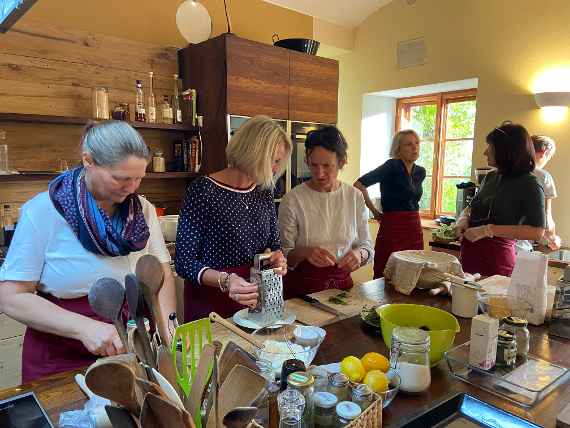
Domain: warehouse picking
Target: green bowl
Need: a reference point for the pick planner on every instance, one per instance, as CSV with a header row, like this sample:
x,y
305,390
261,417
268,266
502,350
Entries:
x,y
441,325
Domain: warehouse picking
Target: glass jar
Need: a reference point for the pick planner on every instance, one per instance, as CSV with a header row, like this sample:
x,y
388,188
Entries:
x,y
321,378
362,395
409,356
290,366
324,413
346,412
338,385
267,412
519,328
291,407
121,112
3,153
100,103
506,349
158,162
305,384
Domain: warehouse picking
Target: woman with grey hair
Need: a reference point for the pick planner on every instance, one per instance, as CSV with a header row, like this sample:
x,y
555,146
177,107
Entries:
x,y
400,193
228,217
89,224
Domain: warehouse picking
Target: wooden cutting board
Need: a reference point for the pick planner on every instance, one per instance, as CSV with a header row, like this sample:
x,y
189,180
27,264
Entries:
x,y
355,301
308,314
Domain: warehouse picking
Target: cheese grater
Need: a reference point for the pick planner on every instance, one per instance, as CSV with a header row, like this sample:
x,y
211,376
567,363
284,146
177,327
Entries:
x,y
270,305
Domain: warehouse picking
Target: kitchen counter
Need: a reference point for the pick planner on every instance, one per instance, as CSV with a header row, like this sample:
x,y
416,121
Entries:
x,y
60,393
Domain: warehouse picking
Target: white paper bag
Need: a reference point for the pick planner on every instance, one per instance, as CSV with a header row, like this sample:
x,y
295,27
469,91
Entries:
x,y
529,284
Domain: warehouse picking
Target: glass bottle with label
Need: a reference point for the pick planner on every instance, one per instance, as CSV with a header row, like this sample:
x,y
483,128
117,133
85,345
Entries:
x,y
176,111
304,382
291,407
9,226
151,100
166,111
140,113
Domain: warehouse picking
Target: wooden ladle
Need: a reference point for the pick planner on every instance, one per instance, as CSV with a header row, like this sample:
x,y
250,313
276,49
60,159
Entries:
x,y
106,298
239,417
151,277
136,308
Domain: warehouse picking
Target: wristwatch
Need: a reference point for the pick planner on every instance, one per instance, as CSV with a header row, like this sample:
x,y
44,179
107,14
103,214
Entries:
x,y
224,281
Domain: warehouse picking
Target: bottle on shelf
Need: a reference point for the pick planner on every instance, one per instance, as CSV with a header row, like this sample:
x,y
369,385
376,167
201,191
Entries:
x,y
140,113
177,112
166,111
151,101
9,225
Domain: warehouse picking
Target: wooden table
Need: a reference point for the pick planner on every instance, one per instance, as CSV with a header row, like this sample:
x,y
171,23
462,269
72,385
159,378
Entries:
x,y
60,393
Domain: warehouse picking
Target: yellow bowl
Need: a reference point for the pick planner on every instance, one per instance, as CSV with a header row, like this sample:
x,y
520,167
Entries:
x,y
440,325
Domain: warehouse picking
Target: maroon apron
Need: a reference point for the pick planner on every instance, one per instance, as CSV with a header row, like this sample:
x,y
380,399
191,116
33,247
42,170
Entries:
x,y
399,230
307,278
200,300
488,256
45,354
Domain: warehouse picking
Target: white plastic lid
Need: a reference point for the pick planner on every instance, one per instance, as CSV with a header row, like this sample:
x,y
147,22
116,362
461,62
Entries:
x,y
348,410
326,400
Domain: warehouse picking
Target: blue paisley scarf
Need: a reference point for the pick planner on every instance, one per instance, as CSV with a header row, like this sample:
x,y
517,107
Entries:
x,y
119,235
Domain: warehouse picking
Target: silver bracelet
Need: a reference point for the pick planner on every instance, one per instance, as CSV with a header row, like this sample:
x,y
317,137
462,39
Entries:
x,y
224,282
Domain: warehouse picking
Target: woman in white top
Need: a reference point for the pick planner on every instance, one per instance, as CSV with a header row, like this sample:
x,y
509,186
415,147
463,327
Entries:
x,y
89,224
323,222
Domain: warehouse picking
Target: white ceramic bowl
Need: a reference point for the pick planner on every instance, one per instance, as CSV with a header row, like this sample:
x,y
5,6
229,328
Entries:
x,y
168,226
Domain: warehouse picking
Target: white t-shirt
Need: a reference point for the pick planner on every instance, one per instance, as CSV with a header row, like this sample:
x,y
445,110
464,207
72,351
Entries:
x,y
336,221
45,249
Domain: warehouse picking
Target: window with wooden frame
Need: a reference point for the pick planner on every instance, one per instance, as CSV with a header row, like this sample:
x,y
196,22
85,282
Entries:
x,y
445,123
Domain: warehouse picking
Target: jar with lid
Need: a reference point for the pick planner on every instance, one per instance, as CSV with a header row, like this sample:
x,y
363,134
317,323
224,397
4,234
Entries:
x,y
346,412
268,413
519,328
506,349
324,412
158,162
338,385
362,395
409,356
305,384
290,366
291,407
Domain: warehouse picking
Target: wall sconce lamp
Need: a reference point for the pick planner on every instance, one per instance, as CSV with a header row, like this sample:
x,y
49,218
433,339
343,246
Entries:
x,y
553,105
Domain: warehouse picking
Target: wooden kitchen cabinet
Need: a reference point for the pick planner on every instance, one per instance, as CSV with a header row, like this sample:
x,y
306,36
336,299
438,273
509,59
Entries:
x,y
313,88
235,76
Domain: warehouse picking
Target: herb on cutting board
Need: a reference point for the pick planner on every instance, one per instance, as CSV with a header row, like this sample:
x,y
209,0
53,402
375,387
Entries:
x,y
339,299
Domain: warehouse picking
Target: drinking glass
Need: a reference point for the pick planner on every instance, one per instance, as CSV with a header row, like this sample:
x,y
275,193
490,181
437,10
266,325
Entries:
x,y
100,102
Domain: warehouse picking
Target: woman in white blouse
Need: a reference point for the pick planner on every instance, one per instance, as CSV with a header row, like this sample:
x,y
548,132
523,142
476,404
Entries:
x,y
323,222
89,224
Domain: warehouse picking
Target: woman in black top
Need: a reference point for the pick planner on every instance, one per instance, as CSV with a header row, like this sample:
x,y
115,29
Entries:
x,y
400,193
508,206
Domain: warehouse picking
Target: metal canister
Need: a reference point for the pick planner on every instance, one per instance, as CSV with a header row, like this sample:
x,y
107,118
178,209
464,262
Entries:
x,y
304,382
518,327
506,349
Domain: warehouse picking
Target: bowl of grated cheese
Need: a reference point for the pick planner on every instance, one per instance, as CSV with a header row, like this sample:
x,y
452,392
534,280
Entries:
x,y
282,343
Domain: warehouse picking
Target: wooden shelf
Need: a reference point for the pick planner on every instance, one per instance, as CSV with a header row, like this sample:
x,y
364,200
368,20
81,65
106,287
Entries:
x,y
65,120
30,176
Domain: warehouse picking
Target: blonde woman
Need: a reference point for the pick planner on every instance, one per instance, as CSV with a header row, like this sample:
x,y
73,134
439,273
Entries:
x,y
227,218
400,193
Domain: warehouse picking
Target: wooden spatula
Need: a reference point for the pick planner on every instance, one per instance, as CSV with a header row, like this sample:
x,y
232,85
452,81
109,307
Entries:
x,y
151,276
232,355
200,382
120,417
241,389
114,381
165,414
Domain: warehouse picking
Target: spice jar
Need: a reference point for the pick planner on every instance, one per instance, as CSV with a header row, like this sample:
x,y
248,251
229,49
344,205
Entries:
x,y
409,356
518,327
346,412
304,383
158,162
506,349
338,385
290,366
121,112
324,412
363,396
291,406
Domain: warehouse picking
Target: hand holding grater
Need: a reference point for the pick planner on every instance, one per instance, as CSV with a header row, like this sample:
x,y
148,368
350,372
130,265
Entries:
x,y
270,304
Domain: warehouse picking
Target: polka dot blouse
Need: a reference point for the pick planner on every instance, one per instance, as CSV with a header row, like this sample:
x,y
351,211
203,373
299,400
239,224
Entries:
x,y
221,227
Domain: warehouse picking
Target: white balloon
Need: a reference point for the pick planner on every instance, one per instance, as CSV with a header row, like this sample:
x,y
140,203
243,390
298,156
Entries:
x,y
193,21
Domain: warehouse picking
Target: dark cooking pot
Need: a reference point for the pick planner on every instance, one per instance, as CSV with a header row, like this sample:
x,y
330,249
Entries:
x,y
307,46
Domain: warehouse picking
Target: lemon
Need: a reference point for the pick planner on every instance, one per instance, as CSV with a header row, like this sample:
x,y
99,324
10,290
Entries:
x,y
353,368
375,361
376,380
